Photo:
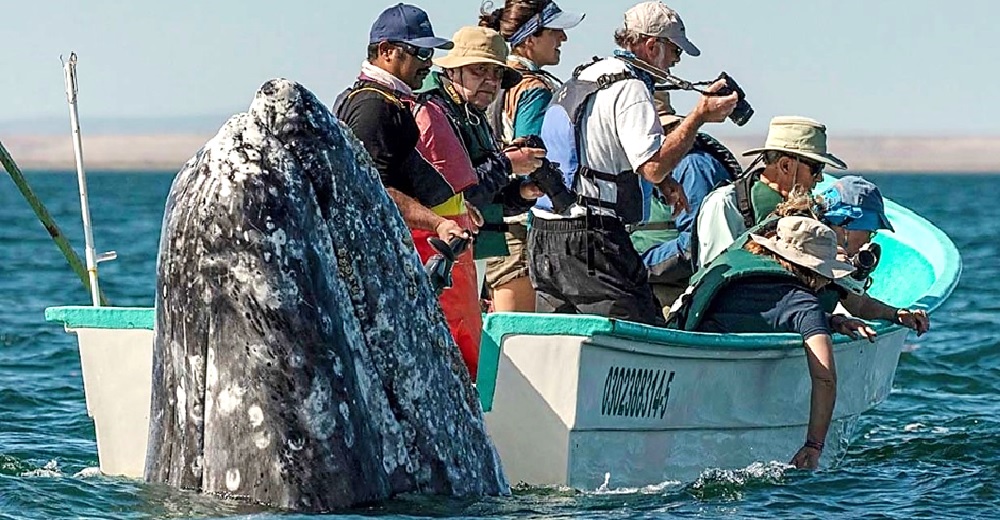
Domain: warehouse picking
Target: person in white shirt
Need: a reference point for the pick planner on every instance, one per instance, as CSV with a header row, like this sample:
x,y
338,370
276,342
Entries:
x,y
581,259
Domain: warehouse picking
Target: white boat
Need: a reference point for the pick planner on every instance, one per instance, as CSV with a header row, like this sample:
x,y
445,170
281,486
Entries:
x,y
584,400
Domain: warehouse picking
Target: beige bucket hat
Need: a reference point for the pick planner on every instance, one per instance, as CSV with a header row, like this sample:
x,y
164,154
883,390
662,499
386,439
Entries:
x,y
807,242
798,136
656,19
479,45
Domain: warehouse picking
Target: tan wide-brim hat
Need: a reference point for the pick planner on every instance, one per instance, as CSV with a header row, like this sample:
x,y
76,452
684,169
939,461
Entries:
x,y
807,242
664,110
799,136
479,45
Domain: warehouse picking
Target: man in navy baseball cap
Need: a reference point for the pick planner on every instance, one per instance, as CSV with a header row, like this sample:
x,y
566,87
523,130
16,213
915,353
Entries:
x,y
408,24
377,109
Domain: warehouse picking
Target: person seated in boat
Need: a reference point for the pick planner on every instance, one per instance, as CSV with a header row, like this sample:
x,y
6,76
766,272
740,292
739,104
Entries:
x,y
770,284
850,195
664,242
794,154
854,209
581,257
456,139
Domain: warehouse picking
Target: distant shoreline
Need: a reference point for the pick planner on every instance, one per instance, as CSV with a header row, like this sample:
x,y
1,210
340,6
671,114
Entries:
x,y
169,152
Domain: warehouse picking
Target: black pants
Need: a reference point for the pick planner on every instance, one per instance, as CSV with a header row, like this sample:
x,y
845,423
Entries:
x,y
589,266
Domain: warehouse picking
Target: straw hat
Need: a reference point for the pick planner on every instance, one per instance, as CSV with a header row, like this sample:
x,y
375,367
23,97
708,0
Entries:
x,y
479,45
807,242
798,136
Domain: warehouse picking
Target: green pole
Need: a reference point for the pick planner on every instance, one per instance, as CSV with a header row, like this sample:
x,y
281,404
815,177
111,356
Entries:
x,y
43,215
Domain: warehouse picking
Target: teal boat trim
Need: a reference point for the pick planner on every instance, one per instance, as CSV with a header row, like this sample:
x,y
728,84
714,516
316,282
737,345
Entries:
x,y
85,317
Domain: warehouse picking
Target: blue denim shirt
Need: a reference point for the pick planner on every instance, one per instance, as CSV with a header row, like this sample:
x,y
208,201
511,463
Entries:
x,y
699,173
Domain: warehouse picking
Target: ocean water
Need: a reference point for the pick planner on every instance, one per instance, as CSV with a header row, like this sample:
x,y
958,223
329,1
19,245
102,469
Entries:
x,y
932,450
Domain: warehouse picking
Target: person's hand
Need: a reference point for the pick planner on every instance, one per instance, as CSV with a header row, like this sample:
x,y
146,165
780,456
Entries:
x,y
447,229
530,191
525,160
806,458
673,194
915,319
852,327
715,109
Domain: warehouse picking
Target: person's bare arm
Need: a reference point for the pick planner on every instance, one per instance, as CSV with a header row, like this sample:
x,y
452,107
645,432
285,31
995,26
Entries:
x,y
677,143
418,216
823,372
865,307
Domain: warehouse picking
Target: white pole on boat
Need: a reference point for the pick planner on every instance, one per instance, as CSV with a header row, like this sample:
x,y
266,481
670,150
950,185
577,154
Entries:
x,y
69,68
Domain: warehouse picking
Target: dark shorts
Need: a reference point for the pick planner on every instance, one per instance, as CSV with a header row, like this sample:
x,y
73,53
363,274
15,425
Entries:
x,y
581,266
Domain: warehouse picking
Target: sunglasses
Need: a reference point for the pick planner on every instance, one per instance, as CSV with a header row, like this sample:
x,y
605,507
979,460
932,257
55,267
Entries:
x,y
420,53
671,45
815,168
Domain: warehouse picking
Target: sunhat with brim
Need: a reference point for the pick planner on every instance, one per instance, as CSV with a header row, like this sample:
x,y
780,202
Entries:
x,y
479,45
657,20
407,24
550,17
798,136
664,110
808,243
854,203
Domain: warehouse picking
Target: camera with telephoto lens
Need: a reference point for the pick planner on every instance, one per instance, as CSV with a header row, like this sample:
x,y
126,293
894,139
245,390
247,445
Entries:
x,y
743,111
866,261
549,178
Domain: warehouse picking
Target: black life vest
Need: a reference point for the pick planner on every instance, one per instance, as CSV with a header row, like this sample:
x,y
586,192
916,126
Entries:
x,y
602,193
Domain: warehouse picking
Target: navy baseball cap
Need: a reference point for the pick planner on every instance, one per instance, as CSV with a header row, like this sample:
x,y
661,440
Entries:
x,y
408,24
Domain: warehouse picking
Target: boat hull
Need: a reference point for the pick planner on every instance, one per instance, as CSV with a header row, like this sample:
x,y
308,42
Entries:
x,y
641,413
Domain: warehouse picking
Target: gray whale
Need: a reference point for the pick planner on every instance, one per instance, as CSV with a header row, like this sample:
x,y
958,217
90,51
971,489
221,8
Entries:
x,y
300,357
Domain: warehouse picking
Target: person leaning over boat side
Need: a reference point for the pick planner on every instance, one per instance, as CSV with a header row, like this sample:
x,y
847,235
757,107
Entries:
x,y
770,284
664,242
456,139
535,29
854,209
581,260
794,155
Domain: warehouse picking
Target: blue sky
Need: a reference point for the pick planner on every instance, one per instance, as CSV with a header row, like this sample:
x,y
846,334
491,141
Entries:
x,y
896,67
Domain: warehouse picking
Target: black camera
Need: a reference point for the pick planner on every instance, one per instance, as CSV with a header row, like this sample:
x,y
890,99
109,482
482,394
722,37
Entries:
x,y
743,112
549,178
866,261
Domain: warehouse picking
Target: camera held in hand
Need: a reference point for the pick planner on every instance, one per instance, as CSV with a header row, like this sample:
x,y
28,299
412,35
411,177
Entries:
x,y
549,179
743,112
866,261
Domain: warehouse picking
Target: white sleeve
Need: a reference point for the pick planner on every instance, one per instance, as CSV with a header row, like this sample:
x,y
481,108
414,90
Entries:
x,y
719,224
639,129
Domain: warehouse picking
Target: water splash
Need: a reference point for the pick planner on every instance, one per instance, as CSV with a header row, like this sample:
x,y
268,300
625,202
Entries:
x,y
728,484
50,470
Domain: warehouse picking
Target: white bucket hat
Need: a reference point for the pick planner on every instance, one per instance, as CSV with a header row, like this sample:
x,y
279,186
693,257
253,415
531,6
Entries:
x,y
807,242
657,20
799,136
